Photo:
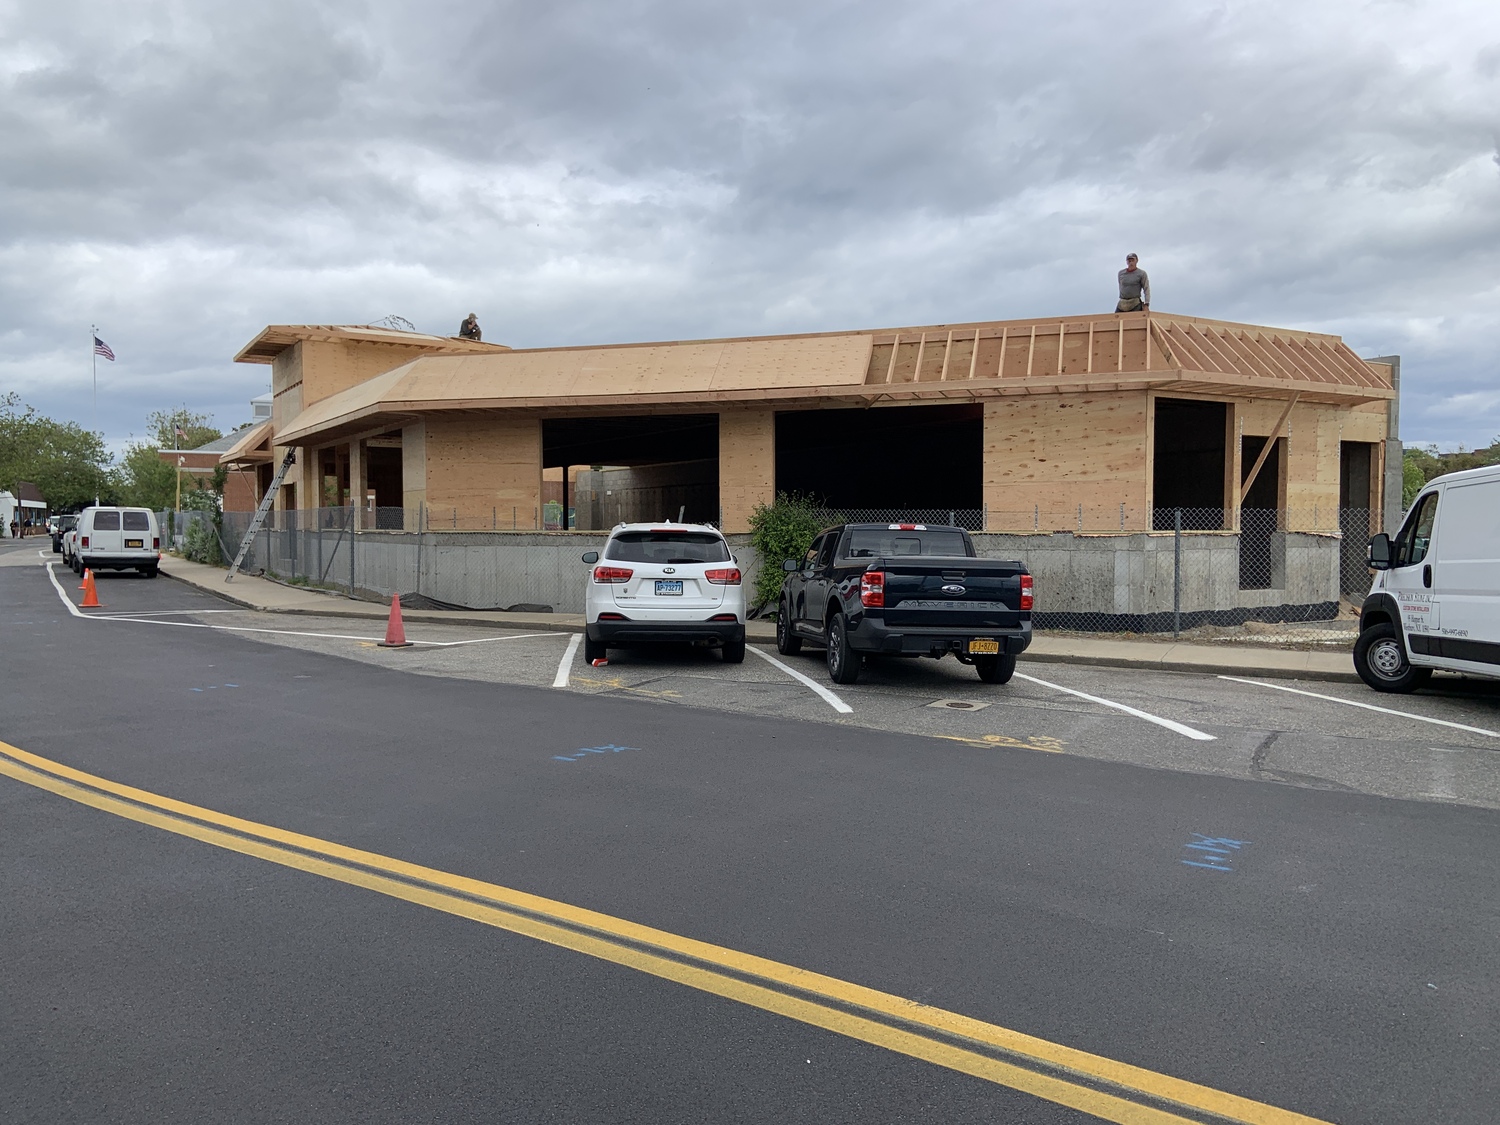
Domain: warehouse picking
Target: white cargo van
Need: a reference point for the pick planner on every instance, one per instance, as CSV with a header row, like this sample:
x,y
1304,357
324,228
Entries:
x,y
117,539
1435,602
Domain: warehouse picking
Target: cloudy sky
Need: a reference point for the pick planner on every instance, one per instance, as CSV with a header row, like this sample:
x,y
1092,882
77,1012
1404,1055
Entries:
x,y
183,173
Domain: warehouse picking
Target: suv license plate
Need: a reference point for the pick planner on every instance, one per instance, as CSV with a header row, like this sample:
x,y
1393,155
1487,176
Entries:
x,y
135,542
984,648
669,586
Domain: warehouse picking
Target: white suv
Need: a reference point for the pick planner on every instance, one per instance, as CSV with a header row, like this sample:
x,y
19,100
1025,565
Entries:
x,y
664,582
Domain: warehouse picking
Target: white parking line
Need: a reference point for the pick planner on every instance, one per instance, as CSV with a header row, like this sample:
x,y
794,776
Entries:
x,y
565,665
1180,728
166,612
143,620
1367,706
833,701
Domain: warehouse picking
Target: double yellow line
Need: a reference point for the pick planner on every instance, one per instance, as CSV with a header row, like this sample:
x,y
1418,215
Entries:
x,y
1109,1090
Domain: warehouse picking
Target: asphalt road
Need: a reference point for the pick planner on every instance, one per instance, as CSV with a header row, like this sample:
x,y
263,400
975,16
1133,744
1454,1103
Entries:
x,y
1335,956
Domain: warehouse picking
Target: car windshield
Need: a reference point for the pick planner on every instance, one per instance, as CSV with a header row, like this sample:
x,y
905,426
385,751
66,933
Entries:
x,y
874,543
667,547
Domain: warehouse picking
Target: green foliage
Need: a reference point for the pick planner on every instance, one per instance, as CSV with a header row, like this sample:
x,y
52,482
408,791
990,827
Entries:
x,y
197,428
784,530
144,479
201,544
69,464
1418,466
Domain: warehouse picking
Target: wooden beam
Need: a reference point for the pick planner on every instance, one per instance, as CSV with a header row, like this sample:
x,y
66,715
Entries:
x,y
1031,351
1004,343
974,359
947,355
1266,449
895,347
1119,344
916,371
1089,366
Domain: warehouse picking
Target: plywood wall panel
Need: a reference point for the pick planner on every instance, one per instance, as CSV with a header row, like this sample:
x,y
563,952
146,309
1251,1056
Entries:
x,y
476,464
747,465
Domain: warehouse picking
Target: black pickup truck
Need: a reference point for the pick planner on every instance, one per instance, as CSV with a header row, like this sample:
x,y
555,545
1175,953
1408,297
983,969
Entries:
x,y
904,590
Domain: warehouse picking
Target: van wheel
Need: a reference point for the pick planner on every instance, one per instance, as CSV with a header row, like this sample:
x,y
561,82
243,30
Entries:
x,y
843,661
149,571
733,652
593,650
787,642
995,669
1381,661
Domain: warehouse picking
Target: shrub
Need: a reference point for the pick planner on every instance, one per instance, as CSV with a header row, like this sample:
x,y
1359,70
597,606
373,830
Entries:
x,y
784,530
201,545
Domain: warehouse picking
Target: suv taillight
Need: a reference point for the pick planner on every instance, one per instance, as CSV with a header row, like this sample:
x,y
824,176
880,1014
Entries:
x,y
1025,592
608,574
728,577
872,588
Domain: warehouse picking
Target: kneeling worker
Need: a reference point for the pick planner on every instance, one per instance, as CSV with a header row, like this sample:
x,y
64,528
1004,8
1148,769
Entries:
x,y
1135,288
469,329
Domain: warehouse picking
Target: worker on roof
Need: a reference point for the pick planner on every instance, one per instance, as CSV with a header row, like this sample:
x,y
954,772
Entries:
x,y
469,329
1135,288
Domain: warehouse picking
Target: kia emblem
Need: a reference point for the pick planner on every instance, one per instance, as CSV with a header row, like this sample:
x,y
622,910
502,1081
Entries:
x,y
669,570
955,590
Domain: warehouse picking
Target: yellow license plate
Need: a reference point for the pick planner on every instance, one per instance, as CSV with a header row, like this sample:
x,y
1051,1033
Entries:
x,y
984,648
134,542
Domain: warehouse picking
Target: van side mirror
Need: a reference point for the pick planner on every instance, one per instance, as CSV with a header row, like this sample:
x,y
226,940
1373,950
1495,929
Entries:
x,y
790,565
591,557
1380,552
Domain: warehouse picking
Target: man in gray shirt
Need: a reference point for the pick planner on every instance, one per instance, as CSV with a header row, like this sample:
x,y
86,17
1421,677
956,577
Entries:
x,y
1135,289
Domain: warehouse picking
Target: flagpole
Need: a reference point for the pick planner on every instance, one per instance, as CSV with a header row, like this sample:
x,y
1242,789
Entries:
x,y
94,362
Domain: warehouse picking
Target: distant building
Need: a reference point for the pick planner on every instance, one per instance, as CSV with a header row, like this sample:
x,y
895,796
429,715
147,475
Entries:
x,y
242,488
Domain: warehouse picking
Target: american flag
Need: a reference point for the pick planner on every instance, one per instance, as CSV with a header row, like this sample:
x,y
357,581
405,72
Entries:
x,y
101,348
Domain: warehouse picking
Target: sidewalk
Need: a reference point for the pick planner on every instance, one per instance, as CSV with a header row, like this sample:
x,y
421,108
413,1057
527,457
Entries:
x,y
273,597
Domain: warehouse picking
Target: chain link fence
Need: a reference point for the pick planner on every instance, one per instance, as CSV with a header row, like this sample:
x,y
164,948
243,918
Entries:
x,y
1287,577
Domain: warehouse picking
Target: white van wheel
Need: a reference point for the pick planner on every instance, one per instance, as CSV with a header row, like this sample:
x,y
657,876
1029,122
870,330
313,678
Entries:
x,y
1381,661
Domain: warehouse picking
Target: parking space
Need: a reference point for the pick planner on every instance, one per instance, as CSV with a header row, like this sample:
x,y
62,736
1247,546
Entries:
x,y
1441,744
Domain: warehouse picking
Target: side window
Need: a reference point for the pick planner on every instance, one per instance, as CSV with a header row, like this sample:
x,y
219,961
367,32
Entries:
x,y
1416,536
825,557
810,559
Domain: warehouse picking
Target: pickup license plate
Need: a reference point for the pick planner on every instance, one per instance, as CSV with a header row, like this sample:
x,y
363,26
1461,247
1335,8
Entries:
x,y
669,586
984,648
135,542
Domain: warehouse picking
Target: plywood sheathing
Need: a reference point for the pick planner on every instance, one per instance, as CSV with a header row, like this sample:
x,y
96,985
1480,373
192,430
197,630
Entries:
x,y
747,464
480,465
276,338
638,377
1044,457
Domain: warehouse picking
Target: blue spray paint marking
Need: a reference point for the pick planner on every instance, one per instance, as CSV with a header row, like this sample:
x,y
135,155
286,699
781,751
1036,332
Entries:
x,y
607,748
1213,852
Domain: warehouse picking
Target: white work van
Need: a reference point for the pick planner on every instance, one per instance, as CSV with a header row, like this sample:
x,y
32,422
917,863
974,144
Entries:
x,y
1435,602
116,539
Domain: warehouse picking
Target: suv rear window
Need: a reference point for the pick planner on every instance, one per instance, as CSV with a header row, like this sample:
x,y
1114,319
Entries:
x,y
136,521
106,521
667,547
874,543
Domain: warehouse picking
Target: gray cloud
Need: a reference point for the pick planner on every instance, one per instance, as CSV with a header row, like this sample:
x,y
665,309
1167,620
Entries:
x,y
593,172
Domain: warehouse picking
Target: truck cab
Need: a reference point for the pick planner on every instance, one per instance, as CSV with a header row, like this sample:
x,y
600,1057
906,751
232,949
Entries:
x,y
1435,600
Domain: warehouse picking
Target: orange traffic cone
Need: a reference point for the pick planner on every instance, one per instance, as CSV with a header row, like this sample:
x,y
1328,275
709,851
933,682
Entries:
x,y
395,632
90,595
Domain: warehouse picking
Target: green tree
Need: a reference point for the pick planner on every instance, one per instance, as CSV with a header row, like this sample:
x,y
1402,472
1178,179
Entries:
x,y
69,464
162,427
145,479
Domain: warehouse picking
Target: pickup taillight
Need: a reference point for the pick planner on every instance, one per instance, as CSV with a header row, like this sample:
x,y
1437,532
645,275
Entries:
x,y
728,577
612,574
872,589
1025,592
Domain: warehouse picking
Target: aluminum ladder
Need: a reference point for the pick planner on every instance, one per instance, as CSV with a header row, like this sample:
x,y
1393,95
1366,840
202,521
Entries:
x,y
261,512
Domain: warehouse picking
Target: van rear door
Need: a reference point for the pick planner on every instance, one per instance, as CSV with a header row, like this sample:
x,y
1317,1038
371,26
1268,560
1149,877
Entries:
x,y
135,530
105,538
1466,575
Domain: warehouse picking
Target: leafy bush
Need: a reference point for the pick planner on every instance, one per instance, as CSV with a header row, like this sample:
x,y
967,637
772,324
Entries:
x,y
201,544
784,530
